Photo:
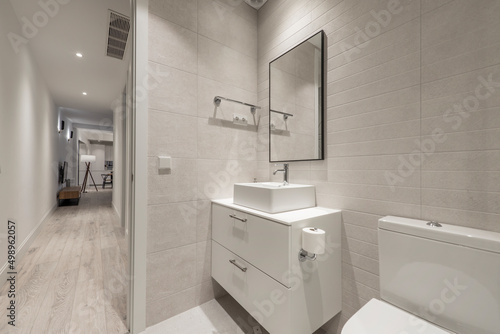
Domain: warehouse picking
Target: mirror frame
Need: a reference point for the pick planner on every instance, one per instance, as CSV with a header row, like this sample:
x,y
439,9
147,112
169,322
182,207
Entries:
x,y
321,110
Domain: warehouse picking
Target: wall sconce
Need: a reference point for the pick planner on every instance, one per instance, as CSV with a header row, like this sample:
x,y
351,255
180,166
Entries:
x,y
70,136
62,126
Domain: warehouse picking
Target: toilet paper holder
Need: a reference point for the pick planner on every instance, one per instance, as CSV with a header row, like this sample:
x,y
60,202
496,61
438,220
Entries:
x,y
304,256
313,243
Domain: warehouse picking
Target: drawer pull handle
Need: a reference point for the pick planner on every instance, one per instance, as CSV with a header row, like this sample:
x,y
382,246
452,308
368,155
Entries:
x,y
240,219
243,269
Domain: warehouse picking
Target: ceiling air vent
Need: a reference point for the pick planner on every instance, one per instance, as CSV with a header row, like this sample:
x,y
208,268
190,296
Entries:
x,y
119,27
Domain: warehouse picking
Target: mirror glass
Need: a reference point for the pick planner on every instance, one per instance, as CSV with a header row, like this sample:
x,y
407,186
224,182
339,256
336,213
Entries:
x,y
296,102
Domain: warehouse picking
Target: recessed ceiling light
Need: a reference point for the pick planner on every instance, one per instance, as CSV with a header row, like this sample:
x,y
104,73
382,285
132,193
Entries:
x,y
84,93
79,55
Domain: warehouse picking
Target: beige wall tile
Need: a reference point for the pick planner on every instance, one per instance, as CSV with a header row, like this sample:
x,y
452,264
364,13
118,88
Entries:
x,y
171,134
354,287
207,291
164,308
361,233
170,271
462,180
172,45
401,97
485,119
208,89
463,161
203,220
239,8
181,12
455,19
474,219
467,200
241,36
429,5
468,141
392,44
402,129
360,261
387,47
445,105
383,86
203,261
171,225
462,83
384,146
469,61
361,276
370,177
378,192
172,90
221,63
220,140
374,73
180,185
216,177
366,249
396,114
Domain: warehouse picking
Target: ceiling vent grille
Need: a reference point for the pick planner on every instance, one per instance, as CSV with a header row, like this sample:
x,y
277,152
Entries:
x,y
119,27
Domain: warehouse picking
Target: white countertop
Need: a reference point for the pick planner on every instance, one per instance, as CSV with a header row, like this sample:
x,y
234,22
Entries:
x,y
286,218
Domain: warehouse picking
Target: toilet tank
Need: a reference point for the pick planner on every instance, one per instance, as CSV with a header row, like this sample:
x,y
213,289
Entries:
x,y
448,275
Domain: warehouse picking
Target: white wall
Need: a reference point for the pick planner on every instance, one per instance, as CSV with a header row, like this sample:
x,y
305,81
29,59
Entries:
x,y
118,155
28,138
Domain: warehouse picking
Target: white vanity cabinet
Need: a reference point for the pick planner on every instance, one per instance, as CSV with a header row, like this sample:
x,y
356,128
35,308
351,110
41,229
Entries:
x,y
255,258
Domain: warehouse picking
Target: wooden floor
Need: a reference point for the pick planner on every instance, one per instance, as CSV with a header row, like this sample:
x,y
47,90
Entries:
x,y
73,279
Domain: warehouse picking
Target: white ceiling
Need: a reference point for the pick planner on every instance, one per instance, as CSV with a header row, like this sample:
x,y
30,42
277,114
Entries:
x,y
78,26
256,3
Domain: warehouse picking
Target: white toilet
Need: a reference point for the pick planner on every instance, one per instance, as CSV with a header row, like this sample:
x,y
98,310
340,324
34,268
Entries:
x,y
433,280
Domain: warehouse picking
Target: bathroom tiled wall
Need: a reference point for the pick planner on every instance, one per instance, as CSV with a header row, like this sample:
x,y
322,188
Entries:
x,y
197,50
396,72
398,142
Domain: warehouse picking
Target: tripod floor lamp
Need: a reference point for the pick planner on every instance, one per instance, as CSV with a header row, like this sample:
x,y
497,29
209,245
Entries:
x,y
87,159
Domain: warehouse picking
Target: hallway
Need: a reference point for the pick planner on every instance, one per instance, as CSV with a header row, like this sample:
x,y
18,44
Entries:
x,y
73,279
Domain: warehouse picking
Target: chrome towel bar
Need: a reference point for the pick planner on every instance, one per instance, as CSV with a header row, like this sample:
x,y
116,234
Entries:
x,y
218,99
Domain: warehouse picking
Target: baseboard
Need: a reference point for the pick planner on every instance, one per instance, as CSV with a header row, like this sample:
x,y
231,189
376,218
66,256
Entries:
x,y
25,245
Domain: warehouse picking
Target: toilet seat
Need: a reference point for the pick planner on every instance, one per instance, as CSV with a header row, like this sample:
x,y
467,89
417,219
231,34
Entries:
x,y
379,317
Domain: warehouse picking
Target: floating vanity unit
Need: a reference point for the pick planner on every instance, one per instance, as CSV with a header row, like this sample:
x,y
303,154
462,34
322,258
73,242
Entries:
x,y
255,257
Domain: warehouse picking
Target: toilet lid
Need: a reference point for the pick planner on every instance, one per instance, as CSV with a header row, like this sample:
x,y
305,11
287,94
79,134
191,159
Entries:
x,y
378,317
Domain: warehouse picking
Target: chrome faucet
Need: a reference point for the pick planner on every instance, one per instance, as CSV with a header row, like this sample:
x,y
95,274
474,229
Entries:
x,y
285,173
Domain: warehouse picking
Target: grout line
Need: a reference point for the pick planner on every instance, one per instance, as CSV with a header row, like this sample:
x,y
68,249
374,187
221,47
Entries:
x,y
380,95
385,63
390,78
459,74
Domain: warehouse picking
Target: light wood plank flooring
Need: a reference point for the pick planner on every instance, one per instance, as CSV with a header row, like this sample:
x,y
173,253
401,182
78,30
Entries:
x,y
73,279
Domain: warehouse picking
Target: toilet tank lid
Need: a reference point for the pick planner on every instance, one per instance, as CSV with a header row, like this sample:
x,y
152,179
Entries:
x,y
465,236
379,317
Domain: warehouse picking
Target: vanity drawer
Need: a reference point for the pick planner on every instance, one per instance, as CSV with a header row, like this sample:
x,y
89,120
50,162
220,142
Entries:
x,y
264,298
263,243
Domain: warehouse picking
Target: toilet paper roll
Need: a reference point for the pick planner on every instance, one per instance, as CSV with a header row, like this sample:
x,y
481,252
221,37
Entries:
x,y
313,240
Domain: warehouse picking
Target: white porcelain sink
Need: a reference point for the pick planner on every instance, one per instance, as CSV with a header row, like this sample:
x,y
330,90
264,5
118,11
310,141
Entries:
x,y
273,197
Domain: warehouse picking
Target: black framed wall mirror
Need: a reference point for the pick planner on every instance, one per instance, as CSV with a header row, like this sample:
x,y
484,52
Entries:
x,y
296,102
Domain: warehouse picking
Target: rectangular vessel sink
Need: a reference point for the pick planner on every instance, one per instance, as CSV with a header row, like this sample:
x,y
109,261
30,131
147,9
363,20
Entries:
x,y
274,197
